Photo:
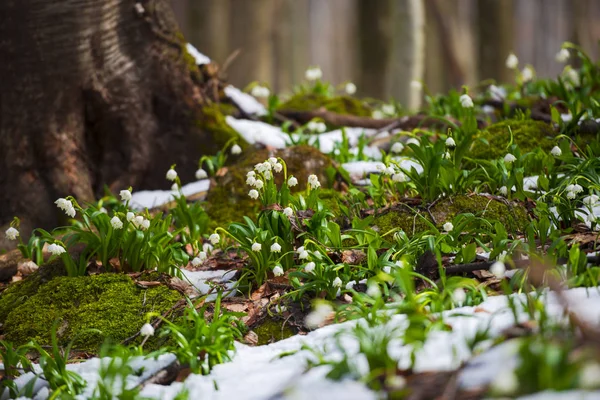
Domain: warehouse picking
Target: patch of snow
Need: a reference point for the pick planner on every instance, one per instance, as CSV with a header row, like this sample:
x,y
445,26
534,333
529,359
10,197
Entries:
x,y
245,101
199,57
156,198
199,279
259,132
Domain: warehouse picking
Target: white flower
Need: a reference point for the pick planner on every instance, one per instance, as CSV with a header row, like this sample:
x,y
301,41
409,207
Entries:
x,y
277,271
527,74
373,290
556,151
390,170
450,142
459,296
512,62
201,174
253,193
571,75
350,88
251,173
395,382
589,376
137,221
214,238
56,249
130,216
300,249
250,181
70,212
590,200
303,254
509,158
399,263
310,267
174,187
256,246
292,181
11,233
377,114
313,73
236,149
413,141
145,224
447,155
288,212
506,382
350,285
498,269
563,55
502,256
116,222
503,190
147,330
466,101
316,126
399,177
171,174
388,109
272,161
448,226
313,181
260,91
196,261
63,204
207,247
577,188
258,183
103,210
397,148
571,195
337,282
278,167
275,247
318,315
125,195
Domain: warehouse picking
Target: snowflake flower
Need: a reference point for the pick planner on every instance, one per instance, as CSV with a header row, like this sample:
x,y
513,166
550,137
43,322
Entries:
x,y
509,158
397,148
309,267
56,249
66,206
256,246
459,296
116,222
448,226
350,88
373,290
147,330
260,91
399,177
11,233
498,269
447,155
292,181
450,142
318,315
251,181
413,141
571,195
337,282
145,224
503,190
253,193
527,73
316,126
350,285
277,271
236,149
125,195
590,200
512,62
259,184
278,168
288,212
563,55
303,254
556,151
313,181
196,261
466,101
313,73
130,216
171,174
214,238
388,109
201,174
276,248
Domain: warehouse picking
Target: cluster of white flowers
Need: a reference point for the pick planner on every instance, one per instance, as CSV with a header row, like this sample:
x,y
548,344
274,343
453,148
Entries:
x,y
573,190
397,148
512,62
56,249
563,55
201,174
260,91
236,149
318,315
316,126
66,206
350,88
466,101
202,256
313,74
302,253
11,233
171,174
556,151
313,181
509,158
138,221
125,195
390,170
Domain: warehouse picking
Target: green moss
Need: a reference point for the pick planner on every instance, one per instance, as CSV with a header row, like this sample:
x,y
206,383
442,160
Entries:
x,y
110,303
338,104
512,215
527,134
228,200
270,331
213,120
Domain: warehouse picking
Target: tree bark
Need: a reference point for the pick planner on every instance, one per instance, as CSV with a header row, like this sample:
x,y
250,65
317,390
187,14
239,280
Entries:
x,y
93,93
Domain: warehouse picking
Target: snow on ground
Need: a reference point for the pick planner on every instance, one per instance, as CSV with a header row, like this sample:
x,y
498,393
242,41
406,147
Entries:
x,y
155,198
199,57
259,132
245,101
199,279
261,373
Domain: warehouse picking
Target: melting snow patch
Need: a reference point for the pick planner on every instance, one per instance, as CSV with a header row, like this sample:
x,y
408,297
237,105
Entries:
x,y
259,132
199,57
246,102
156,198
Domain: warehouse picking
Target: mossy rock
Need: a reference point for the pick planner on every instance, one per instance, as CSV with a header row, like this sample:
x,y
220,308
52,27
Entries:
x,y
413,220
228,201
339,104
527,134
110,303
271,331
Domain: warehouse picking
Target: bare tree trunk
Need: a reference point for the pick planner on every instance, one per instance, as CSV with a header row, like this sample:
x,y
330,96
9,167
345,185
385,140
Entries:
x,y
208,27
93,93
495,28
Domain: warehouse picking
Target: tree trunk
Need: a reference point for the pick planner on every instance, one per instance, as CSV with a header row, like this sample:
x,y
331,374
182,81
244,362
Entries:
x,y
93,93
